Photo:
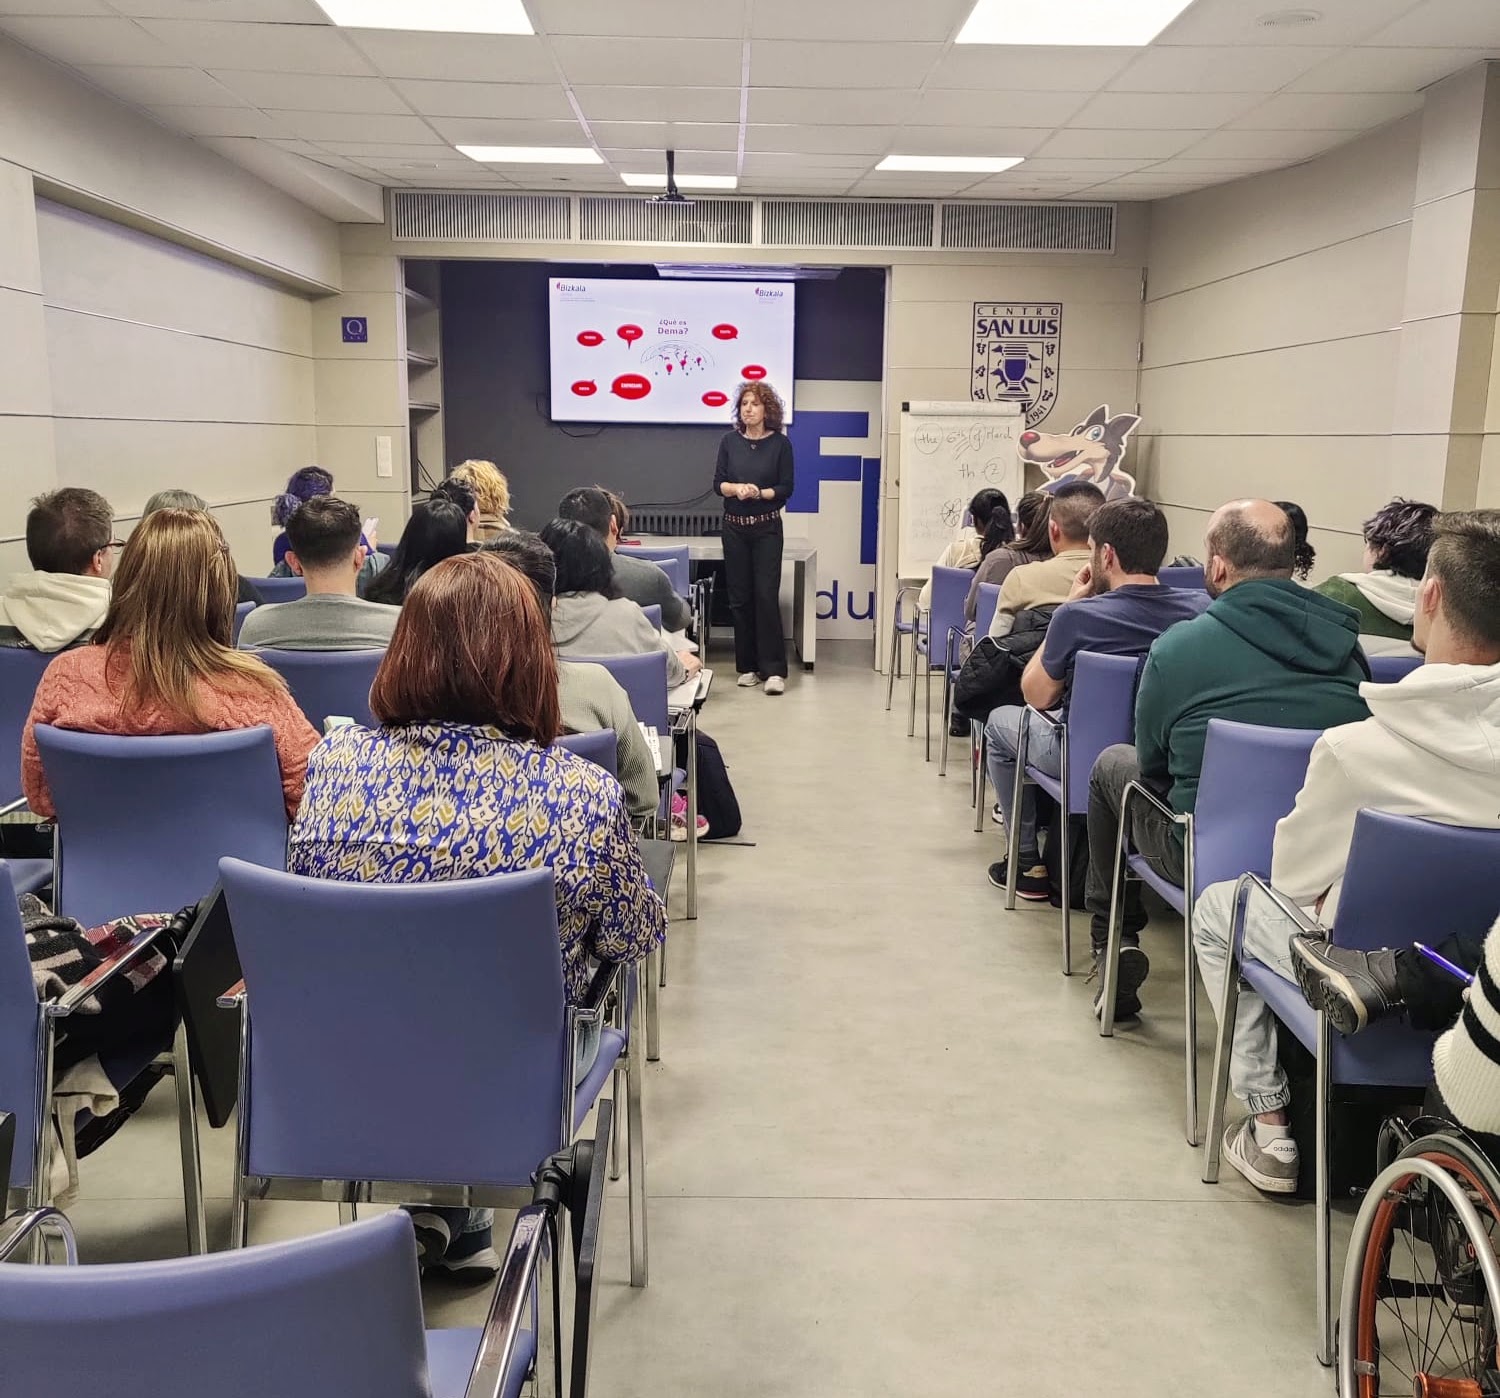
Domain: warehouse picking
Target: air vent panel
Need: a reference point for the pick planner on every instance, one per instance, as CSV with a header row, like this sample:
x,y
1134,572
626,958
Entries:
x,y
846,223
479,218
1020,227
611,219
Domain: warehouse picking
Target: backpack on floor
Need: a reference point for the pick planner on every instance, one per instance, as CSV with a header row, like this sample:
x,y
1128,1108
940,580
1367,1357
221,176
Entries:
x,y
1078,852
717,802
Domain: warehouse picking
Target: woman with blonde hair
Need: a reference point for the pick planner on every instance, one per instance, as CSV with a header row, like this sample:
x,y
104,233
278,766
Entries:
x,y
491,492
163,660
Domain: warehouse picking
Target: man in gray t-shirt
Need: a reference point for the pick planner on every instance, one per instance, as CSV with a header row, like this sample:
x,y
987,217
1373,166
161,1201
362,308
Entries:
x,y
324,547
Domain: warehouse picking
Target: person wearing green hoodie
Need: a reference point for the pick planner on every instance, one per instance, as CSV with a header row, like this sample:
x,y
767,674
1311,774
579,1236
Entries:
x,y
1384,593
1267,652
70,543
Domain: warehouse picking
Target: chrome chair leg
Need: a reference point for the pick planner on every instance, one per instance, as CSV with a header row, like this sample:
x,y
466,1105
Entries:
x,y
616,1126
187,1141
1229,1005
1324,1247
947,720
1190,1004
927,706
981,780
1065,843
1013,825
635,1144
911,717
893,660
661,965
692,819
650,989
1111,972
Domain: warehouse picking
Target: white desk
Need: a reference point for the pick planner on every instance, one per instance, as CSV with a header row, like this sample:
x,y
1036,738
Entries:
x,y
709,548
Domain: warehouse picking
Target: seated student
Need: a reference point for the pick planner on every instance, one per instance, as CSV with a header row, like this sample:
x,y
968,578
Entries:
x,y
1306,554
989,522
590,697
1266,651
1116,607
324,549
999,558
162,661
637,579
1430,748
462,780
1397,538
491,491
246,591
1049,582
588,618
304,485
462,495
70,544
436,530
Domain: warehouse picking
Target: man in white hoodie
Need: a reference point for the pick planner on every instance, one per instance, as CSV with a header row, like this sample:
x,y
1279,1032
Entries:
x,y
70,542
1430,748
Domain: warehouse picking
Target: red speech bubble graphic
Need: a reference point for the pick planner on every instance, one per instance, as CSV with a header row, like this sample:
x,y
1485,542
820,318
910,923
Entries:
x,y
725,332
631,387
630,333
753,372
715,399
591,338
585,388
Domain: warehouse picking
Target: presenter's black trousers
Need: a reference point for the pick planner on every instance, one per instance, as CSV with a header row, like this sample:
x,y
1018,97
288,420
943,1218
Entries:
x,y
752,571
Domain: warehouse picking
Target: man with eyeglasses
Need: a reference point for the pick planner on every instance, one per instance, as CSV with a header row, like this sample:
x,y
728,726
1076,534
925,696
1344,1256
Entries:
x,y
70,542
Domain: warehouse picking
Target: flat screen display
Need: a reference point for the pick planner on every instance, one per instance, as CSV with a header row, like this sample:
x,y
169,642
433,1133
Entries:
x,y
665,351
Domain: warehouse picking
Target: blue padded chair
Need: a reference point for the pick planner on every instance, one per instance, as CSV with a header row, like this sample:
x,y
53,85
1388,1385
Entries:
x,y
941,641
984,608
653,614
20,672
905,620
1391,669
1250,780
352,992
143,822
1381,904
28,1029
273,590
1101,712
1186,577
389,550
600,748
337,1313
241,611
328,682
674,560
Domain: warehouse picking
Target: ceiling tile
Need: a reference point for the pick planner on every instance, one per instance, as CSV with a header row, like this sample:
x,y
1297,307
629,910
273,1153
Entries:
x,y
897,21
54,9
772,187
661,135
990,68
163,87
649,19
1328,111
85,40
1160,111
825,140
490,58
1123,194
775,163
1222,169
1218,70
220,121
1464,23
1150,177
659,103
1234,22
845,106
1099,169
257,11
955,107
649,62
1386,69
478,131
1077,143
689,162
786,63
350,126
266,48
1266,145
997,141
533,101
381,152
306,92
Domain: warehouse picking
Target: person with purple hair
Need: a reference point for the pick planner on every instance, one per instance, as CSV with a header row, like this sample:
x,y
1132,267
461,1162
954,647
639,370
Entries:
x,y
304,485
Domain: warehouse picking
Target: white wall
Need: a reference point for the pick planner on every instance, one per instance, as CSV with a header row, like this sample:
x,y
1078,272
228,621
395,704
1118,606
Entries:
x,y
1272,336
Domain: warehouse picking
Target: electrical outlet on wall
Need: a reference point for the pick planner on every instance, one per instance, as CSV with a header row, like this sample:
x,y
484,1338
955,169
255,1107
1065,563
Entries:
x,y
383,456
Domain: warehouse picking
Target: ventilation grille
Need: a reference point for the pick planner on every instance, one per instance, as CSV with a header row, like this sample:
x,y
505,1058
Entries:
x,y
607,219
845,223
1029,227
480,218
687,523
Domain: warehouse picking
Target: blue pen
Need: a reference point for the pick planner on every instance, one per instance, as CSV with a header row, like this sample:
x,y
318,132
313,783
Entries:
x,y
1457,972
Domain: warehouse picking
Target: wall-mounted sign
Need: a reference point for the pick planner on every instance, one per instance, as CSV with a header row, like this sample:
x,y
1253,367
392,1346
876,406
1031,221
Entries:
x,y
356,330
1093,451
1017,354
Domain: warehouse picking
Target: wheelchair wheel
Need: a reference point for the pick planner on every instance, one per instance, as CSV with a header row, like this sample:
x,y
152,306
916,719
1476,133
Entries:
x,y
1422,1282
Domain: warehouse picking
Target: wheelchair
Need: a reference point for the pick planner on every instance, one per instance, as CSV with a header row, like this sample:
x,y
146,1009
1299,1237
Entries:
x,y
1421,1292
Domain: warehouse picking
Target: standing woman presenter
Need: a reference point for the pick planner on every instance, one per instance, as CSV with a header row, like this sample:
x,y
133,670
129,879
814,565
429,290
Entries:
x,y
754,475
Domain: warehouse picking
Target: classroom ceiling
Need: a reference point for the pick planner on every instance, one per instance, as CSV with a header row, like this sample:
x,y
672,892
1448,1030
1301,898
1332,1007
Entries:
x,y
792,96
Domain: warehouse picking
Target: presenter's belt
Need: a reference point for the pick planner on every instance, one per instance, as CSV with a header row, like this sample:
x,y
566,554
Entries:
x,y
752,521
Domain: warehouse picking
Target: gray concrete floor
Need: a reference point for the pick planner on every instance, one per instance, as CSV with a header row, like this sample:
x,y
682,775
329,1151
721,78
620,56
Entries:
x,y
887,1151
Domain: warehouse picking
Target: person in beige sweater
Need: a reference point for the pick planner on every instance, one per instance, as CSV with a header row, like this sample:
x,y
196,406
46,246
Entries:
x,y
1049,582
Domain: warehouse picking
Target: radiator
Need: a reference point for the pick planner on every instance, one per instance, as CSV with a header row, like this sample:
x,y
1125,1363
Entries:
x,y
687,523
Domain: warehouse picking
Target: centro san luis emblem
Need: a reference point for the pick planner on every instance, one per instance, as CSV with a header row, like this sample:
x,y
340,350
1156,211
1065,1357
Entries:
x,y
1017,350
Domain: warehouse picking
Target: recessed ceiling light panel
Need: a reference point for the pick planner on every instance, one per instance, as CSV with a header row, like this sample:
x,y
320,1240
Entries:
x,y
532,155
952,164
683,181
1096,23
445,16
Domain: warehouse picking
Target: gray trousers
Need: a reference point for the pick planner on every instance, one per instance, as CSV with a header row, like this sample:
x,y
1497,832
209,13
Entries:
x,y
1152,834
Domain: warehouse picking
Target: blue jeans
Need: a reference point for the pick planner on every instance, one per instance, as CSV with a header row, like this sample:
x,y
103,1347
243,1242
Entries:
x,y
1043,751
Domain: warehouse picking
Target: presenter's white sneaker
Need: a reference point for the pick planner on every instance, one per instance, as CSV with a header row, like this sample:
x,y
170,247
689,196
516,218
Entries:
x,y
750,681
775,685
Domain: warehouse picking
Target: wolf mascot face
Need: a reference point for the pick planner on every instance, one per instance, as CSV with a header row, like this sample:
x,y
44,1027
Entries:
x,y
1092,451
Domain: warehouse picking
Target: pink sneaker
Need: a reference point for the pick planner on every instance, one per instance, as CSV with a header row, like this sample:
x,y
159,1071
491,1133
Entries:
x,y
679,819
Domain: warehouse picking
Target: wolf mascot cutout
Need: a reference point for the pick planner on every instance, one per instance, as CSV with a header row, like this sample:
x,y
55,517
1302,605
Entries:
x,y
1092,451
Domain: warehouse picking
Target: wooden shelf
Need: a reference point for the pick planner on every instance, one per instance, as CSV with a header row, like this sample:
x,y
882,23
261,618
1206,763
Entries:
x,y
421,361
417,301
424,409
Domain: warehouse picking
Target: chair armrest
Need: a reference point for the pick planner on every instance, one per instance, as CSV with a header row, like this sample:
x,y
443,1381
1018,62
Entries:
x,y
106,971
1284,905
232,998
1051,720
508,1311
18,1228
1141,789
11,807
909,590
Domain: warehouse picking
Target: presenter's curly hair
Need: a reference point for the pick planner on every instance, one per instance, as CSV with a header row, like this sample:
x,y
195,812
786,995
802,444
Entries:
x,y
768,399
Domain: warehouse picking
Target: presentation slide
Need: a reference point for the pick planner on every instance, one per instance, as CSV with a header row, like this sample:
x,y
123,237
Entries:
x,y
665,351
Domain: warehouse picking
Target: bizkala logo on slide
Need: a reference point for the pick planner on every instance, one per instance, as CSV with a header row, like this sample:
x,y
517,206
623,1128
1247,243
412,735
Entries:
x,y
571,286
767,294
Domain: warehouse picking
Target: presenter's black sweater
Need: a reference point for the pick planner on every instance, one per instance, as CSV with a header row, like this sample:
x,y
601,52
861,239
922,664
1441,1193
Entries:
x,y
766,463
